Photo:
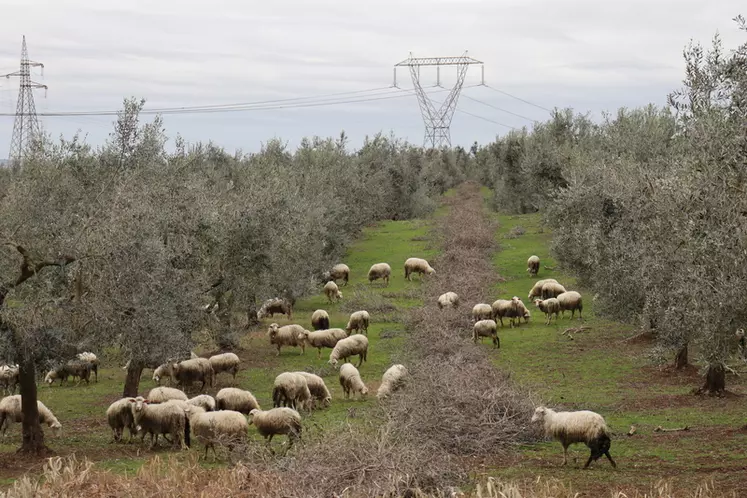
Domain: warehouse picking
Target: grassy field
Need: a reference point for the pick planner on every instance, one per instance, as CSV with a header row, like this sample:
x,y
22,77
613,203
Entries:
x,y
599,370
81,409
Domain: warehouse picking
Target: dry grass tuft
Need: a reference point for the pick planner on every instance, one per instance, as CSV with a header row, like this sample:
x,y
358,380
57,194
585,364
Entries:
x,y
362,298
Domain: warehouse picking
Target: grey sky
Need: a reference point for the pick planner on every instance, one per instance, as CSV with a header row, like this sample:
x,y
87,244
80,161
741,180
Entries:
x,y
585,54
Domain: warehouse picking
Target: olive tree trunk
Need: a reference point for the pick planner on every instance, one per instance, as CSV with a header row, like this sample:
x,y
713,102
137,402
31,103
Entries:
x,y
33,436
715,382
681,360
132,381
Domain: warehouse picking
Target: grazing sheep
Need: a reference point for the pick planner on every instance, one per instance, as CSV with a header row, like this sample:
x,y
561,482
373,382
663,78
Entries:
x,y
292,390
518,311
548,307
281,420
275,305
448,299
90,358
486,328
380,271
393,379
317,388
552,289
287,335
359,322
160,418
224,427
350,346
351,382
338,272
571,300
9,378
537,288
163,371
75,368
320,320
226,362
239,400
332,292
119,415
196,369
324,338
10,412
163,394
576,427
482,311
533,265
419,266
204,401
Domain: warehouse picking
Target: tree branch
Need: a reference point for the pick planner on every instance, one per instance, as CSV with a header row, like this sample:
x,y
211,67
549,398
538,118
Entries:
x,y
30,267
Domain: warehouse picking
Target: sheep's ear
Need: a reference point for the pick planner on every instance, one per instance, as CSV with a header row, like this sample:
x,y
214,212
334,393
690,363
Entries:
x,y
132,400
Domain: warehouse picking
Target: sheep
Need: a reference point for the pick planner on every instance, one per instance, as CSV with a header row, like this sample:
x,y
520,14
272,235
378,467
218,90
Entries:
x,y
204,401
359,322
287,335
482,311
548,307
317,388
195,369
380,271
518,311
11,411
533,265
323,338
226,426
160,418
291,389
338,272
226,362
576,427
9,378
275,305
75,368
513,309
165,370
320,320
239,400
571,300
448,299
537,288
552,289
419,266
119,415
393,379
351,382
93,360
332,292
163,394
281,420
486,328
350,346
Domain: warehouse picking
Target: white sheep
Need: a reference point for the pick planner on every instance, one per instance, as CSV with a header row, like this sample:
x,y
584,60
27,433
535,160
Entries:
x,y
537,288
224,427
548,307
9,378
239,400
120,416
358,321
380,271
10,412
275,305
552,289
533,265
482,311
512,309
163,394
92,360
571,300
486,328
393,379
419,266
320,320
291,389
350,346
226,362
160,418
324,338
287,335
582,426
317,388
332,291
338,272
196,369
517,311
204,401
163,371
351,382
281,420
75,368
448,299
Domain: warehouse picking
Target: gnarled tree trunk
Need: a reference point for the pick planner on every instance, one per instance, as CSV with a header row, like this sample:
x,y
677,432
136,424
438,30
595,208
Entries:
x,y
681,360
132,381
33,436
715,382
251,312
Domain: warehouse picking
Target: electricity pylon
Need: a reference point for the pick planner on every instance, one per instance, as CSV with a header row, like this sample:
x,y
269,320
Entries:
x,y
438,121
26,124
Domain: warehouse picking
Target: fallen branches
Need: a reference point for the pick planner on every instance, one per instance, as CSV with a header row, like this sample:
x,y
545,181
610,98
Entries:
x,y
661,429
574,330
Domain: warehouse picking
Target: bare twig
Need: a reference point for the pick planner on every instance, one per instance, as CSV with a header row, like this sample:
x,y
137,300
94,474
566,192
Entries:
x,y
661,429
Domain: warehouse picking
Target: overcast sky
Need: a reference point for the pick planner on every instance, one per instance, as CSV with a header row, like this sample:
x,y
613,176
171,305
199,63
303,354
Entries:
x,y
585,54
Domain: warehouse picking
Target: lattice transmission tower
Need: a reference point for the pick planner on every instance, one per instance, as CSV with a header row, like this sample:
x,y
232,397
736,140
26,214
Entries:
x,y
26,124
438,121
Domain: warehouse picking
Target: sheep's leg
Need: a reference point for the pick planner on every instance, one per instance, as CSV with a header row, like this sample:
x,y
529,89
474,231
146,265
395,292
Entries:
x,y
565,454
278,346
609,457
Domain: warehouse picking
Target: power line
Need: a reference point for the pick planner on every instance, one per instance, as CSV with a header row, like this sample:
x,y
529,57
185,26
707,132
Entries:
x,y
499,109
519,98
484,118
